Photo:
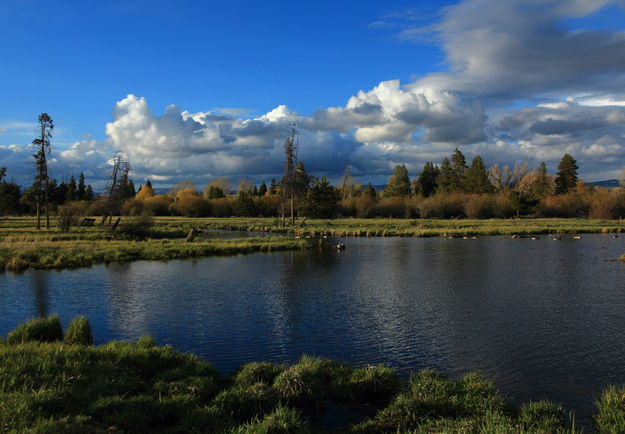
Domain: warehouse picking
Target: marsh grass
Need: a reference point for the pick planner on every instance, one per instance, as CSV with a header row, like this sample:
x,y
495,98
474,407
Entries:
x,y
22,247
142,387
79,332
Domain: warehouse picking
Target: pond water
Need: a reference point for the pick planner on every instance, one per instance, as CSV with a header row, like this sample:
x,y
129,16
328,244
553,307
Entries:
x,y
540,318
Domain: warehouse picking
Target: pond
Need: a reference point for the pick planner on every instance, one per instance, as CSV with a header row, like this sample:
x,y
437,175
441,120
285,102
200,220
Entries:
x,y
540,318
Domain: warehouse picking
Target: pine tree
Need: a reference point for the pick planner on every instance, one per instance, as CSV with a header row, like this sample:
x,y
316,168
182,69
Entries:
x,y
541,186
42,144
459,166
370,192
446,180
3,173
80,193
262,190
398,183
425,185
476,178
145,191
566,178
72,190
273,187
322,200
89,193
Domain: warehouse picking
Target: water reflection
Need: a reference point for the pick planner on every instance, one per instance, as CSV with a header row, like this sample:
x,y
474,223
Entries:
x,y
39,283
540,318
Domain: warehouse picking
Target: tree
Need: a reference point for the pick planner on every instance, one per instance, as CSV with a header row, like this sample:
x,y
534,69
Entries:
x,y
459,166
446,181
72,190
566,178
476,178
543,184
145,191
220,184
287,184
262,190
3,173
9,195
398,183
245,185
322,200
370,192
89,193
273,187
425,184
506,178
82,188
42,145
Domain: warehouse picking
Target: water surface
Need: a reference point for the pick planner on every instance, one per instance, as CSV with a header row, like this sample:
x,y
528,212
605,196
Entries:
x,y
542,319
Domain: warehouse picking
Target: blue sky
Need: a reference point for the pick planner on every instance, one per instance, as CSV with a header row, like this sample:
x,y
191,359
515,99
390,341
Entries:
x,y
498,80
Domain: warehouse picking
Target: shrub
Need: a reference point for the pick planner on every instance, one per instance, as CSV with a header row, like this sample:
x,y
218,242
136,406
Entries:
x,y
222,207
478,206
503,207
137,227
69,215
564,205
79,332
132,207
47,329
442,205
191,205
157,205
602,204
390,207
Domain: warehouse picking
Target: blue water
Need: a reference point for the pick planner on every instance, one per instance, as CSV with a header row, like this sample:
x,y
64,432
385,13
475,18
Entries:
x,y
542,319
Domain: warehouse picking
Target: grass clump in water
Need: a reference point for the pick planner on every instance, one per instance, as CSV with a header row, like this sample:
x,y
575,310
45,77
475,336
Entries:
x,y
79,332
257,372
47,329
610,415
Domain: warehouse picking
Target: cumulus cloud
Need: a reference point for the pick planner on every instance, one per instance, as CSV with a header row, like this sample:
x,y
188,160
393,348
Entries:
x,y
524,84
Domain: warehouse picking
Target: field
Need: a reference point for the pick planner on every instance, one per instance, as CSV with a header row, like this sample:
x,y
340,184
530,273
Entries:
x,y
23,247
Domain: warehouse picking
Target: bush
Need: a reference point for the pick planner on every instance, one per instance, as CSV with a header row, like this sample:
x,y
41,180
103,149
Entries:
x,y
69,215
47,329
564,205
478,206
443,205
390,207
157,205
137,227
79,332
602,204
190,205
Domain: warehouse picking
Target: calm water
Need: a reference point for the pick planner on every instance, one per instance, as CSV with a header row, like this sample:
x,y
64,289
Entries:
x,y
540,318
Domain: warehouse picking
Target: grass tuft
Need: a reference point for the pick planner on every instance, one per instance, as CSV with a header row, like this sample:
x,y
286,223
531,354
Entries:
x,y
46,329
79,332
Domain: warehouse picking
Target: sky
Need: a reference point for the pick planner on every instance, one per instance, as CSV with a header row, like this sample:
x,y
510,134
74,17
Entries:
x,y
199,90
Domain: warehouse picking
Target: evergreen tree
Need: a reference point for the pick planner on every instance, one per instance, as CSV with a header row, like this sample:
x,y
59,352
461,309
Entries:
x,y
149,184
459,166
89,193
446,181
566,178
302,180
42,144
398,183
80,193
273,187
145,191
476,179
9,195
3,173
131,189
71,191
214,192
255,190
425,185
262,190
322,200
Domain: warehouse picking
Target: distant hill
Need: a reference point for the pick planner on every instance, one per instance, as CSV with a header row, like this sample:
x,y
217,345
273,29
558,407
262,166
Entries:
x,y
607,183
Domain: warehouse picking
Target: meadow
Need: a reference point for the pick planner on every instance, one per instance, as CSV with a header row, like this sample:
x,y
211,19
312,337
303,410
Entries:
x,y
56,381
23,247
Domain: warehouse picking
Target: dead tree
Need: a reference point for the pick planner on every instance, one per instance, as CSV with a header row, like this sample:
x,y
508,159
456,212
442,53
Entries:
x,y
288,180
42,144
117,181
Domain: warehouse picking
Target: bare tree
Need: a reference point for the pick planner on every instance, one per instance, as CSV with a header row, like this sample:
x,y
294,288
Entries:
x,y
42,144
287,183
505,178
347,183
119,172
223,184
245,186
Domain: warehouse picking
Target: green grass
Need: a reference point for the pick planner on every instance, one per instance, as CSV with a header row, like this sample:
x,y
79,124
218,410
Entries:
x,y
418,227
23,247
64,386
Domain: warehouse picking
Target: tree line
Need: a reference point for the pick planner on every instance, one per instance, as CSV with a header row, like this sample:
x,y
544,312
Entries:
x,y
450,189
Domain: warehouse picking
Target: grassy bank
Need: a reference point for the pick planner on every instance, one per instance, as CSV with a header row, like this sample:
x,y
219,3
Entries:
x,y
51,385
23,247
418,227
